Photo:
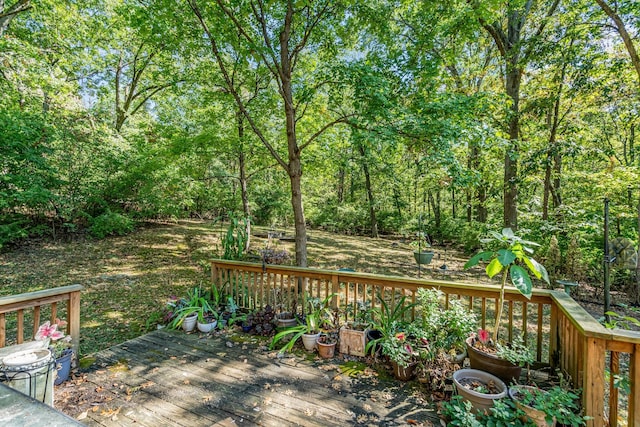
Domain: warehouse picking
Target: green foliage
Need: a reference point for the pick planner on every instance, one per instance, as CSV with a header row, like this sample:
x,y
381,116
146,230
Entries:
x,y
459,412
516,352
446,329
511,251
234,240
111,224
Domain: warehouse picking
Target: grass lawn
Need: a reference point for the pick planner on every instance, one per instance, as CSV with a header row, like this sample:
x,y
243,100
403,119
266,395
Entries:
x,y
128,279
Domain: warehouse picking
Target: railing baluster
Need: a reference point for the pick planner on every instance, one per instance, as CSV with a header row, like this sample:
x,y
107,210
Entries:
x,y
614,370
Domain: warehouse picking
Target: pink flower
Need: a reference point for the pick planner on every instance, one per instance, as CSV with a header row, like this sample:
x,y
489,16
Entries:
x,y
408,348
483,336
400,336
47,330
424,341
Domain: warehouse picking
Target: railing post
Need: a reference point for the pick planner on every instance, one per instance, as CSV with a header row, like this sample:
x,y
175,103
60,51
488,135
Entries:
x,y
73,322
554,356
335,287
593,382
634,379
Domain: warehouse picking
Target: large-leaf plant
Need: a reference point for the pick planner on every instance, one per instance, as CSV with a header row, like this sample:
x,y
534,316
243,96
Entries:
x,y
510,259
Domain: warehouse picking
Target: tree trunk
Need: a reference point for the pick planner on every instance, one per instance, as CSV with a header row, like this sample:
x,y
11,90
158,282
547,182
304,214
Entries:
x,y
242,166
341,177
370,197
294,164
514,75
626,38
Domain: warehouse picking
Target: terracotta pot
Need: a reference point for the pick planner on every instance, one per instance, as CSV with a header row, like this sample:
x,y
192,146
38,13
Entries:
x,y
501,368
326,350
534,415
403,373
309,341
480,401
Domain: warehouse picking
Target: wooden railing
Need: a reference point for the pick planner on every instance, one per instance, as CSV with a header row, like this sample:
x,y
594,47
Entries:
x,y
62,302
563,335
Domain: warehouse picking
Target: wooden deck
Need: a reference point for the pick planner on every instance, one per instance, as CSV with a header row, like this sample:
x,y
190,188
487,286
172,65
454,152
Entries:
x,y
169,378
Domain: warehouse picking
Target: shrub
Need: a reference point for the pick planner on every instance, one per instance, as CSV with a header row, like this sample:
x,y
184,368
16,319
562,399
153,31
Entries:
x,y
111,223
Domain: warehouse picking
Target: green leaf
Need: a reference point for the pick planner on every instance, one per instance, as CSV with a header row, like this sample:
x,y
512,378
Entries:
x,y
482,256
521,280
494,267
506,257
508,233
537,269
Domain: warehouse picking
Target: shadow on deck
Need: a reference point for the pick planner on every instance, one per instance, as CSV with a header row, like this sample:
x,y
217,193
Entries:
x,y
168,378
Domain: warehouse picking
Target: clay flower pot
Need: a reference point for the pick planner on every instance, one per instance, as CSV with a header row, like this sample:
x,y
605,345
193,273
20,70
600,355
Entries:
x,y
479,387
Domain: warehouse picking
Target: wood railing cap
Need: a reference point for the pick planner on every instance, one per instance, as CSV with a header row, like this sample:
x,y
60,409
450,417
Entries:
x,y
28,296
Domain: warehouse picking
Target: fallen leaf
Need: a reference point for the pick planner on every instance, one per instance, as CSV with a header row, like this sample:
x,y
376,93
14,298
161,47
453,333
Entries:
x,y
82,416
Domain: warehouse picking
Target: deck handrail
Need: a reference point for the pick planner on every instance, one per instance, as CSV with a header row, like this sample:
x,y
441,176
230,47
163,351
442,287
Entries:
x,y
566,336
35,301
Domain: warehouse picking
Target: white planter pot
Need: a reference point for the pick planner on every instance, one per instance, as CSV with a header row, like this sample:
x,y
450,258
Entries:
x,y
189,322
207,327
309,341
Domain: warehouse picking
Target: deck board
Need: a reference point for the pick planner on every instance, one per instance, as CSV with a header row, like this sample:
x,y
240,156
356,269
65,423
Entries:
x,y
168,378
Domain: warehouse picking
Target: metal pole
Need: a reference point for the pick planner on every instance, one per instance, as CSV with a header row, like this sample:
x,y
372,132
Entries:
x,y
607,262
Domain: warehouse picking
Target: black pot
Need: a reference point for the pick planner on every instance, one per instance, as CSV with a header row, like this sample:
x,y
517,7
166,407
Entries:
x,y
374,334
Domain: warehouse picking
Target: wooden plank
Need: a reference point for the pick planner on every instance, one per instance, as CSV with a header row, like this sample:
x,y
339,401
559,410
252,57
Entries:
x,y
20,326
553,337
539,334
3,330
73,321
593,383
634,380
36,320
614,369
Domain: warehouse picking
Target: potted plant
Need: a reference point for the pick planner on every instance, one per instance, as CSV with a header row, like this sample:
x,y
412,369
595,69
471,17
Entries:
x,y
546,407
190,309
403,349
60,346
208,322
510,256
479,387
422,251
326,346
385,321
309,330
446,329
353,334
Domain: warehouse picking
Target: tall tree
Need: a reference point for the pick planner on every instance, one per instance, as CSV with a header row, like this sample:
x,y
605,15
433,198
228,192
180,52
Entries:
x,y
621,28
516,49
7,13
279,34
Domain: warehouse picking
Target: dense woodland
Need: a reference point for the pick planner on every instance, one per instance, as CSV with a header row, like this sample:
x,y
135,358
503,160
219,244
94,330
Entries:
x,y
370,117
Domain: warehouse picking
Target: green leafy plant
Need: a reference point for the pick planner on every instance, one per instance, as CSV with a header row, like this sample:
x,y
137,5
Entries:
x,y
421,242
235,239
317,315
459,412
195,302
508,260
446,329
400,349
111,223
557,403
387,319
516,352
